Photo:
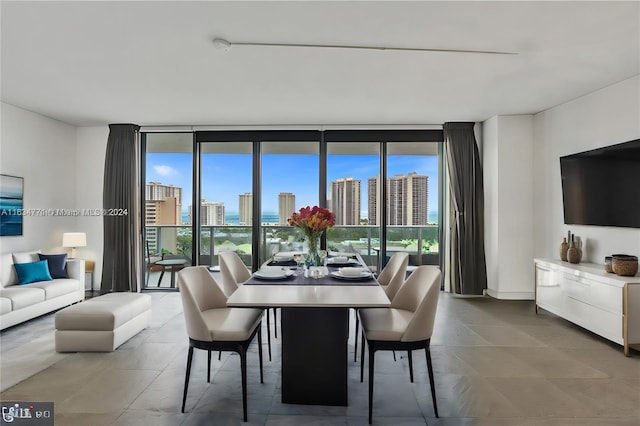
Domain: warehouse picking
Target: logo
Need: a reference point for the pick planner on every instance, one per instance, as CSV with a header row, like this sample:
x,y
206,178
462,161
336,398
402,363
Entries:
x,y
22,413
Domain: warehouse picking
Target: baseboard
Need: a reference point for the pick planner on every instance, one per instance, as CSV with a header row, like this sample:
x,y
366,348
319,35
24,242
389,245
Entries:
x,y
511,295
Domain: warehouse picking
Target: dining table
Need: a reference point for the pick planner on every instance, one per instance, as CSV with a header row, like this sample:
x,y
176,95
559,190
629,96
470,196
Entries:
x,y
314,322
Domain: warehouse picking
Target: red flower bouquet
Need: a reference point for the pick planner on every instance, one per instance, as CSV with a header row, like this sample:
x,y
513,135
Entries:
x,y
312,221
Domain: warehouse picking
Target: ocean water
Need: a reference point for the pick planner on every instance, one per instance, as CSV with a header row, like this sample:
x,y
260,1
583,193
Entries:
x,y
270,217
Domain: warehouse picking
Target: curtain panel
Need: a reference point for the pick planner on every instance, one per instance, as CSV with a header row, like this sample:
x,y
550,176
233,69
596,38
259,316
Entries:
x,y
468,264
120,200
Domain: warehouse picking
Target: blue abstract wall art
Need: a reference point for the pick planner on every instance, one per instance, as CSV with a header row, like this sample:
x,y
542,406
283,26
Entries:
x,y
11,205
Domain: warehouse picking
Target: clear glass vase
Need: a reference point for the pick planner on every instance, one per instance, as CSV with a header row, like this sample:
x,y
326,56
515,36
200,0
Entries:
x,y
313,258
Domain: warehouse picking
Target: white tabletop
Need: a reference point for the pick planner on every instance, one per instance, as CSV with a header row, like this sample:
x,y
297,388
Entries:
x,y
325,296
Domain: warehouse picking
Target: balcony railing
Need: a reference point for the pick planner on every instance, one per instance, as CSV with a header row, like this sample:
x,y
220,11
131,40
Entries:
x,y
421,242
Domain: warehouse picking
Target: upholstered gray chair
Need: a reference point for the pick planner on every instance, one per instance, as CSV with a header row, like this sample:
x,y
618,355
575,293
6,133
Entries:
x,y
406,325
234,273
213,326
390,279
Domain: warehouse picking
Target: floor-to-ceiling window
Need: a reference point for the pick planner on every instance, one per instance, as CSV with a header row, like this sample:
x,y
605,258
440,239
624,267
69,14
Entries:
x,y
353,168
168,171
393,178
289,180
383,186
413,174
226,201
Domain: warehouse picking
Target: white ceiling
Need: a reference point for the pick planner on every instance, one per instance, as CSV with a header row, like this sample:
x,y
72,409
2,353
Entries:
x,y
153,63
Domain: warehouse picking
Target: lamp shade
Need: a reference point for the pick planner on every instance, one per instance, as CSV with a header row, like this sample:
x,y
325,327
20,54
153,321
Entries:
x,y
74,239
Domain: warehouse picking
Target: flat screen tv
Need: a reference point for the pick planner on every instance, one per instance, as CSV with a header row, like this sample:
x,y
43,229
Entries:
x,y
602,186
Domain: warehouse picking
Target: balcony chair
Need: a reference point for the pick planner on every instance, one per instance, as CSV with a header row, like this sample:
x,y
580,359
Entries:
x,y
406,325
390,279
211,325
235,273
149,261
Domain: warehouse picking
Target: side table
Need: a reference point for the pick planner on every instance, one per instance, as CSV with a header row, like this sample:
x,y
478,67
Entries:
x,y
88,270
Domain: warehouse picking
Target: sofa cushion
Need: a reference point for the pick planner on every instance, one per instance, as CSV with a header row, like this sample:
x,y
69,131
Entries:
x,y
5,305
57,264
22,296
7,272
26,256
57,287
32,272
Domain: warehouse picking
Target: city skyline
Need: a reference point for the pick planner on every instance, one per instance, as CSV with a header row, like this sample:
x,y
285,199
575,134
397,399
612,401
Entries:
x,y
224,176
407,202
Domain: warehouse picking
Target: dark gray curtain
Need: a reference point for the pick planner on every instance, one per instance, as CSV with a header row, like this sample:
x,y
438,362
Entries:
x,y
468,265
119,270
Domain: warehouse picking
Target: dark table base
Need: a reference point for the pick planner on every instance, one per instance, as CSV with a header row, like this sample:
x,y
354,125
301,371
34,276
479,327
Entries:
x,y
314,355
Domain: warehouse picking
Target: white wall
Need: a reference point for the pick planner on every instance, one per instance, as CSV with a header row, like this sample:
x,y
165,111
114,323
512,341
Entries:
x,y
508,190
43,152
92,148
63,168
606,117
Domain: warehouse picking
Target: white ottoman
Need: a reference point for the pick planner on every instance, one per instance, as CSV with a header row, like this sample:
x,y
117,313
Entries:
x,y
102,323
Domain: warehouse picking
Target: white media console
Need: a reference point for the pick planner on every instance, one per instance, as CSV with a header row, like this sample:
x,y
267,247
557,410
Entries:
x,y
601,302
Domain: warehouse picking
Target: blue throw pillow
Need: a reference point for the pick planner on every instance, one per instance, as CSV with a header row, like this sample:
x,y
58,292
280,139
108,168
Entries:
x,y
32,272
57,264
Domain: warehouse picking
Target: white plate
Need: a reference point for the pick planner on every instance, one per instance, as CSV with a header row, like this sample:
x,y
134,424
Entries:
x,y
364,275
271,274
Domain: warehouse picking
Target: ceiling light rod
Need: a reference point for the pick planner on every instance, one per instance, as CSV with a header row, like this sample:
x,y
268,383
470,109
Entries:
x,y
218,42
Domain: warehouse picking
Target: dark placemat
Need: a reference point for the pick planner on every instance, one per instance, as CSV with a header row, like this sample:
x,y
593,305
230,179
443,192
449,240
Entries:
x,y
282,263
300,280
343,265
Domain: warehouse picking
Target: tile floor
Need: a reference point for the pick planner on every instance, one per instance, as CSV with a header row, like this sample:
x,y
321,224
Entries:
x,y
495,362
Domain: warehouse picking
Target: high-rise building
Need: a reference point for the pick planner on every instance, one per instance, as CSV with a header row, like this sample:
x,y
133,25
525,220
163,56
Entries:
x,y
373,195
345,200
407,199
157,191
396,201
286,206
417,199
211,213
245,208
162,207
162,212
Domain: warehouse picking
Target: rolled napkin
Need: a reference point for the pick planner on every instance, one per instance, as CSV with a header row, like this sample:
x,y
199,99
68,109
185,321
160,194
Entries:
x,y
352,272
340,259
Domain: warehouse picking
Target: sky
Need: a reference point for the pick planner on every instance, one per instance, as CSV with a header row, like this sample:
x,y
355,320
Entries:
x,y
225,176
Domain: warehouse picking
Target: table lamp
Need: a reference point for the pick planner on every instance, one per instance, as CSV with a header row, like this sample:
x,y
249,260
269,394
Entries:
x,y
73,240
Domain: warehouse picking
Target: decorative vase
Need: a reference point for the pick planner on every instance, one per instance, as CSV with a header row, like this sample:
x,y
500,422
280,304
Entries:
x,y
313,257
608,264
624,265
564,247
573,253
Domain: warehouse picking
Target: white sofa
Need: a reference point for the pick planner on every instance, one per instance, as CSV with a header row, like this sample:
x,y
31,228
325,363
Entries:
x,y
21,302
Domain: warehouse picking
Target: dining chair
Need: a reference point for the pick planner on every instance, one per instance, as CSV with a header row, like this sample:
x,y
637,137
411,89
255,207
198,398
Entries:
x,y
235,273
390,279
406,325
211,325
